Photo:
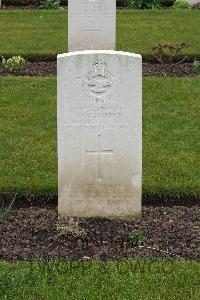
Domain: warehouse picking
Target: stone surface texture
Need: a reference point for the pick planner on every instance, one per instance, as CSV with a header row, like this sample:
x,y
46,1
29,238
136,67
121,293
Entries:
x,y
99,133
91,25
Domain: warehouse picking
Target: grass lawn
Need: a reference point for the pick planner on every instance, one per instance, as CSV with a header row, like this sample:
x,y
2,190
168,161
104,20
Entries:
x,y
170,135
131,279
45,32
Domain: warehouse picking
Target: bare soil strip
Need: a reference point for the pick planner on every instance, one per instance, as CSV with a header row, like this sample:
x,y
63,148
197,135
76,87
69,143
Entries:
x,y
35,233
49,68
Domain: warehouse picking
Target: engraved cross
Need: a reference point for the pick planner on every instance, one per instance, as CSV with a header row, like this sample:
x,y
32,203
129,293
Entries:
x,y
99,153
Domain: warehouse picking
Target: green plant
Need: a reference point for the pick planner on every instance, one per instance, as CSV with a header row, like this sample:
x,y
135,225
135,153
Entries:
x,y
196,66
4,211
13,63
143,4
166,53
136,237
182,4
49,4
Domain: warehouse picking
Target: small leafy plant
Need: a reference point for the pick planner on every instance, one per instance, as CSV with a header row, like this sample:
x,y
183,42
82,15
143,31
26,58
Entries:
x,y
166,53
136,237
143,4
4,211
182,4
49,4
13,63
196,66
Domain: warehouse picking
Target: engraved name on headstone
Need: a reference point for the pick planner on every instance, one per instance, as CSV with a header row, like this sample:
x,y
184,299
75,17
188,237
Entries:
x,y
99,134
91,24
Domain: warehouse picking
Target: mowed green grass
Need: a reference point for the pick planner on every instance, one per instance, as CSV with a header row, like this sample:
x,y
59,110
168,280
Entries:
x,y
131,279
45,31
171,147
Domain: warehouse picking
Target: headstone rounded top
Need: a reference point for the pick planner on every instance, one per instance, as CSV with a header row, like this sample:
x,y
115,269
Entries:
x,y
86,52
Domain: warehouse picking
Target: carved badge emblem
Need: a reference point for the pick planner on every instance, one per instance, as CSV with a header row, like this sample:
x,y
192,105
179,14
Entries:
x,y
99,85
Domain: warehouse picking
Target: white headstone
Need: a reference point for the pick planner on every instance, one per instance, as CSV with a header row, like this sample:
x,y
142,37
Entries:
x,y
99,134
91,24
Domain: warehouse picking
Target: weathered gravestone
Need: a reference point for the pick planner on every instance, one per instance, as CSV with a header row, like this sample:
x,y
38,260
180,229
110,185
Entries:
x,y
91,24
99,134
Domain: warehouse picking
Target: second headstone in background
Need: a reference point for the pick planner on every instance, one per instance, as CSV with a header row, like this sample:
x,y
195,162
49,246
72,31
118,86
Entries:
x,y
91,25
